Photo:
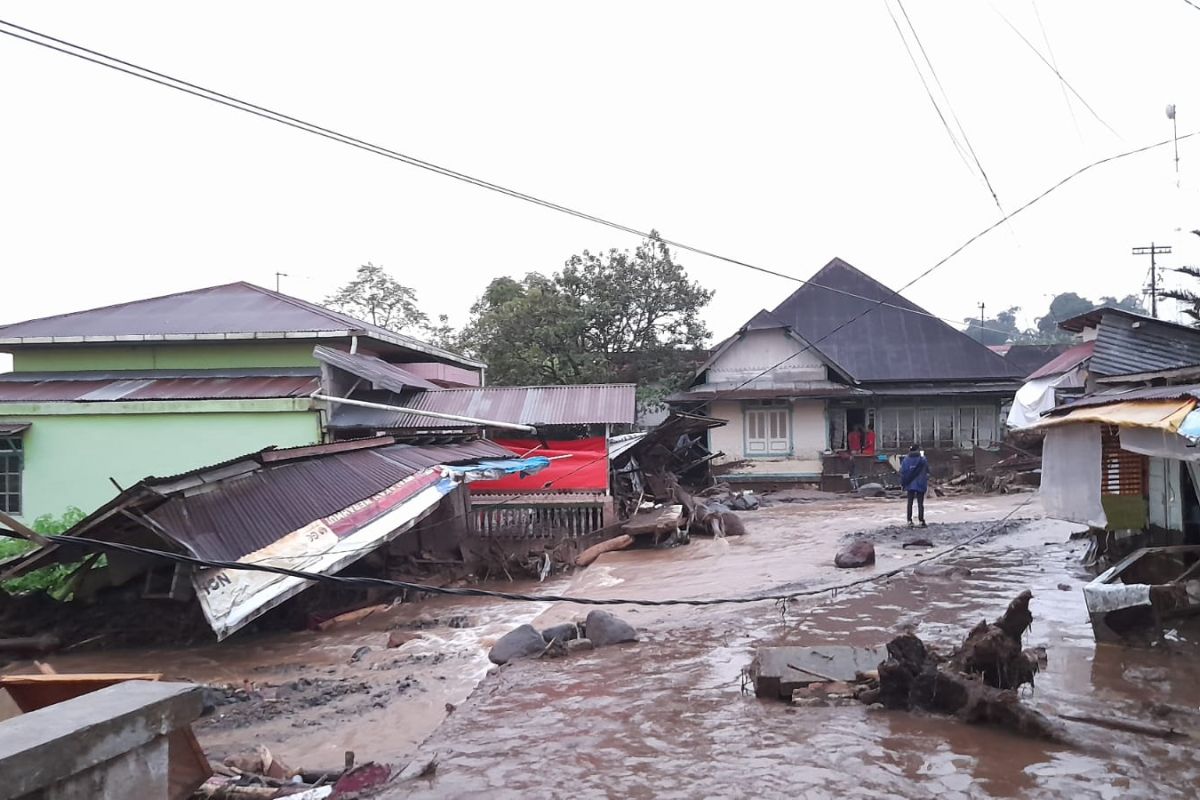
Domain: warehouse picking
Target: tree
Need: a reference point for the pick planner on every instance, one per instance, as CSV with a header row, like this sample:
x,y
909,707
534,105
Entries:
x,y
376,296
1189,300
442,334
1062,307
1000,329
612,316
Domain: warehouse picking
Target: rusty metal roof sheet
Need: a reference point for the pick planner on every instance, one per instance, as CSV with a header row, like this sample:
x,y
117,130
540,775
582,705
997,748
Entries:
x,y
527,405
89,391
1123,394
251,501
1066,361
232,311
380,373
1131,343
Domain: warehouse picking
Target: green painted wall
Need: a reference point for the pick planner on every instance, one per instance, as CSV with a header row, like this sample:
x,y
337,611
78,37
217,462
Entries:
x,y
67,358
69,458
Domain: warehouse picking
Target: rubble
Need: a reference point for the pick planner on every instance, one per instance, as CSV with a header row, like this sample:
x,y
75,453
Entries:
x,y
600,629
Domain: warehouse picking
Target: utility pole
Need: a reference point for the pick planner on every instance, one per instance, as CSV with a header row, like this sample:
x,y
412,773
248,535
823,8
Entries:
x,y
981,322
1152,251
279,275
1175,136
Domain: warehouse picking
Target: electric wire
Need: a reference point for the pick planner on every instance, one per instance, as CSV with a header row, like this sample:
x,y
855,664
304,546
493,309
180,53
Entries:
x,y
229,101
953,114
929,92
1054,63
1054,69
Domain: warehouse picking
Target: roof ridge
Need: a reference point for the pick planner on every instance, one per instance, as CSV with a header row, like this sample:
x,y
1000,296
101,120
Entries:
x,y
542,386
126,303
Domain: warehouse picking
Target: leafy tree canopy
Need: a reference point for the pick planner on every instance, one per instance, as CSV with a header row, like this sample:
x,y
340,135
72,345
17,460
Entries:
x,y
377,297
605,317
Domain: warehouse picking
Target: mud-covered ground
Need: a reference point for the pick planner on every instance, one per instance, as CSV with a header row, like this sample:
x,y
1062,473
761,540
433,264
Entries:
x,y
667,717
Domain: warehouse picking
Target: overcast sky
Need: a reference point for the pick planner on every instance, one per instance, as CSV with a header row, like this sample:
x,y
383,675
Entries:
x,y
778,133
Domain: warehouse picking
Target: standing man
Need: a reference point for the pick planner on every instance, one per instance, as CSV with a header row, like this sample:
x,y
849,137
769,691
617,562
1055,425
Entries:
x,y
914,479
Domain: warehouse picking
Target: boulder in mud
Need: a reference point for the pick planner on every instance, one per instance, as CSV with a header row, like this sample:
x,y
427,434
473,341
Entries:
x,y
521,642
859,553
603,629
732,525
744,501
562,633
872,490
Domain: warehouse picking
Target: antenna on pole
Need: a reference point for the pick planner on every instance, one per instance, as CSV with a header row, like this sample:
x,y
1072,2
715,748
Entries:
x,y
279,275
1152,251
1175,135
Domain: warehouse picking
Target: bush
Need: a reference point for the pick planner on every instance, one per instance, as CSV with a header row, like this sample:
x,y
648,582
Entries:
x,y
53,580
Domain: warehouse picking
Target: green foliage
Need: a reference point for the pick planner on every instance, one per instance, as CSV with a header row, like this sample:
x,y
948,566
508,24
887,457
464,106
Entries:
x,y
1000,329
375,295
606,317
1188,299
53,579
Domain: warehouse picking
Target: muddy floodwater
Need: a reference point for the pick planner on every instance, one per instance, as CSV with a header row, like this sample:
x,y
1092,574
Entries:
x,y
668,717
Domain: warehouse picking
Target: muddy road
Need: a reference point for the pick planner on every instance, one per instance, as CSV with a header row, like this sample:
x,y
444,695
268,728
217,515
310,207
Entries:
x,y
667,717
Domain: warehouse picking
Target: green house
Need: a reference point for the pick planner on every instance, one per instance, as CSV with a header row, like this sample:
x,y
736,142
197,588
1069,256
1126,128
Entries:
x,y
99,399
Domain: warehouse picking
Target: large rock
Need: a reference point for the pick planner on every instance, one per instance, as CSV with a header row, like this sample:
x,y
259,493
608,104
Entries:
x,y
522,642
872,490
860,553
602,629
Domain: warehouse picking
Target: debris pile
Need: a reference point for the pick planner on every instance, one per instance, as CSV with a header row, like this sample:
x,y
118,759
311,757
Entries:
x,y
260,774
600,629
976,683
645,468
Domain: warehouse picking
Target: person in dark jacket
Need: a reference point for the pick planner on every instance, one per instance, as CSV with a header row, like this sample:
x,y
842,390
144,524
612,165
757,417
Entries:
x,y
914,479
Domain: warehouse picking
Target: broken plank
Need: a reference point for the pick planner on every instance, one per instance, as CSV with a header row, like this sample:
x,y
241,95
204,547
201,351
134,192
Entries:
x,y
597,550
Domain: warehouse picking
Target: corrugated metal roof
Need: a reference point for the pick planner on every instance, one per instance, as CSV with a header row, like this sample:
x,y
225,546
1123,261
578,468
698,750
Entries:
x,y
380,373
1123,394
245,513
88,391
527,405
13,428
736,391
1128,343
889,342
237,310
1068,360
1026,358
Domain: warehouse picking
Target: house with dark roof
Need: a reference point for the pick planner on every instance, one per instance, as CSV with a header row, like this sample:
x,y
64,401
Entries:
x,y
845,363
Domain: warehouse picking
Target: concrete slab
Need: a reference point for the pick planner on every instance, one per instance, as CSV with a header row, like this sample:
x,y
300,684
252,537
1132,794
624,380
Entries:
x,y
47,746
779,671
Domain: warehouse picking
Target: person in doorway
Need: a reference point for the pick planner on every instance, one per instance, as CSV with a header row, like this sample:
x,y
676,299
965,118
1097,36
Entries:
x,y
914,479
869,441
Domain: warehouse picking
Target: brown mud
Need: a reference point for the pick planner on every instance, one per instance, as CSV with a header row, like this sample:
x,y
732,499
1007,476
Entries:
x,y
666,717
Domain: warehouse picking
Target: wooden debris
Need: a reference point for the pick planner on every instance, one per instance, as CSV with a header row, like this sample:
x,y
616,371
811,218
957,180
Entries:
x,y
357,615
596,550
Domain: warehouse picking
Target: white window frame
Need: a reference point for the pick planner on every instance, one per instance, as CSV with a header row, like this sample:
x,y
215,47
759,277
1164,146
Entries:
x,y
767,429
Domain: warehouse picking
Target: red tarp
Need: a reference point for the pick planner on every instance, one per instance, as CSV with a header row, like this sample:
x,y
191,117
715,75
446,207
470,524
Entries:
x,y
585,470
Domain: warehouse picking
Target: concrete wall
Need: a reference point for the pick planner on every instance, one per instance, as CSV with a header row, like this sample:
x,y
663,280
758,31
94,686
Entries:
x,y
62,358
70,457
809,440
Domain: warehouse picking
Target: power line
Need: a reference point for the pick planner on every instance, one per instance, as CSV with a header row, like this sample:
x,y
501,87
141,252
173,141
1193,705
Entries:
x,y
162,79
1054,69
1192,4
987,181
964,246
778,594
929,92
1054,63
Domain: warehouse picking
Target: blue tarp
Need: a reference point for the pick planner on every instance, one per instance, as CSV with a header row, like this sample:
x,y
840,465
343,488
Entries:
x,y
498,468
1191,425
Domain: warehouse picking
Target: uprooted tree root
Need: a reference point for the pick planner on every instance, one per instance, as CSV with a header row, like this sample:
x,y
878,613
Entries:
x,y
977,683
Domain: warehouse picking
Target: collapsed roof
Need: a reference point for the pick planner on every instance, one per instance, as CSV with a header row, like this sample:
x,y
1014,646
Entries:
x,y
316,508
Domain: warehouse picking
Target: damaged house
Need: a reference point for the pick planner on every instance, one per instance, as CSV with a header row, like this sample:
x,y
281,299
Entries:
x,y
814,393
349,507
97,399
157,386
